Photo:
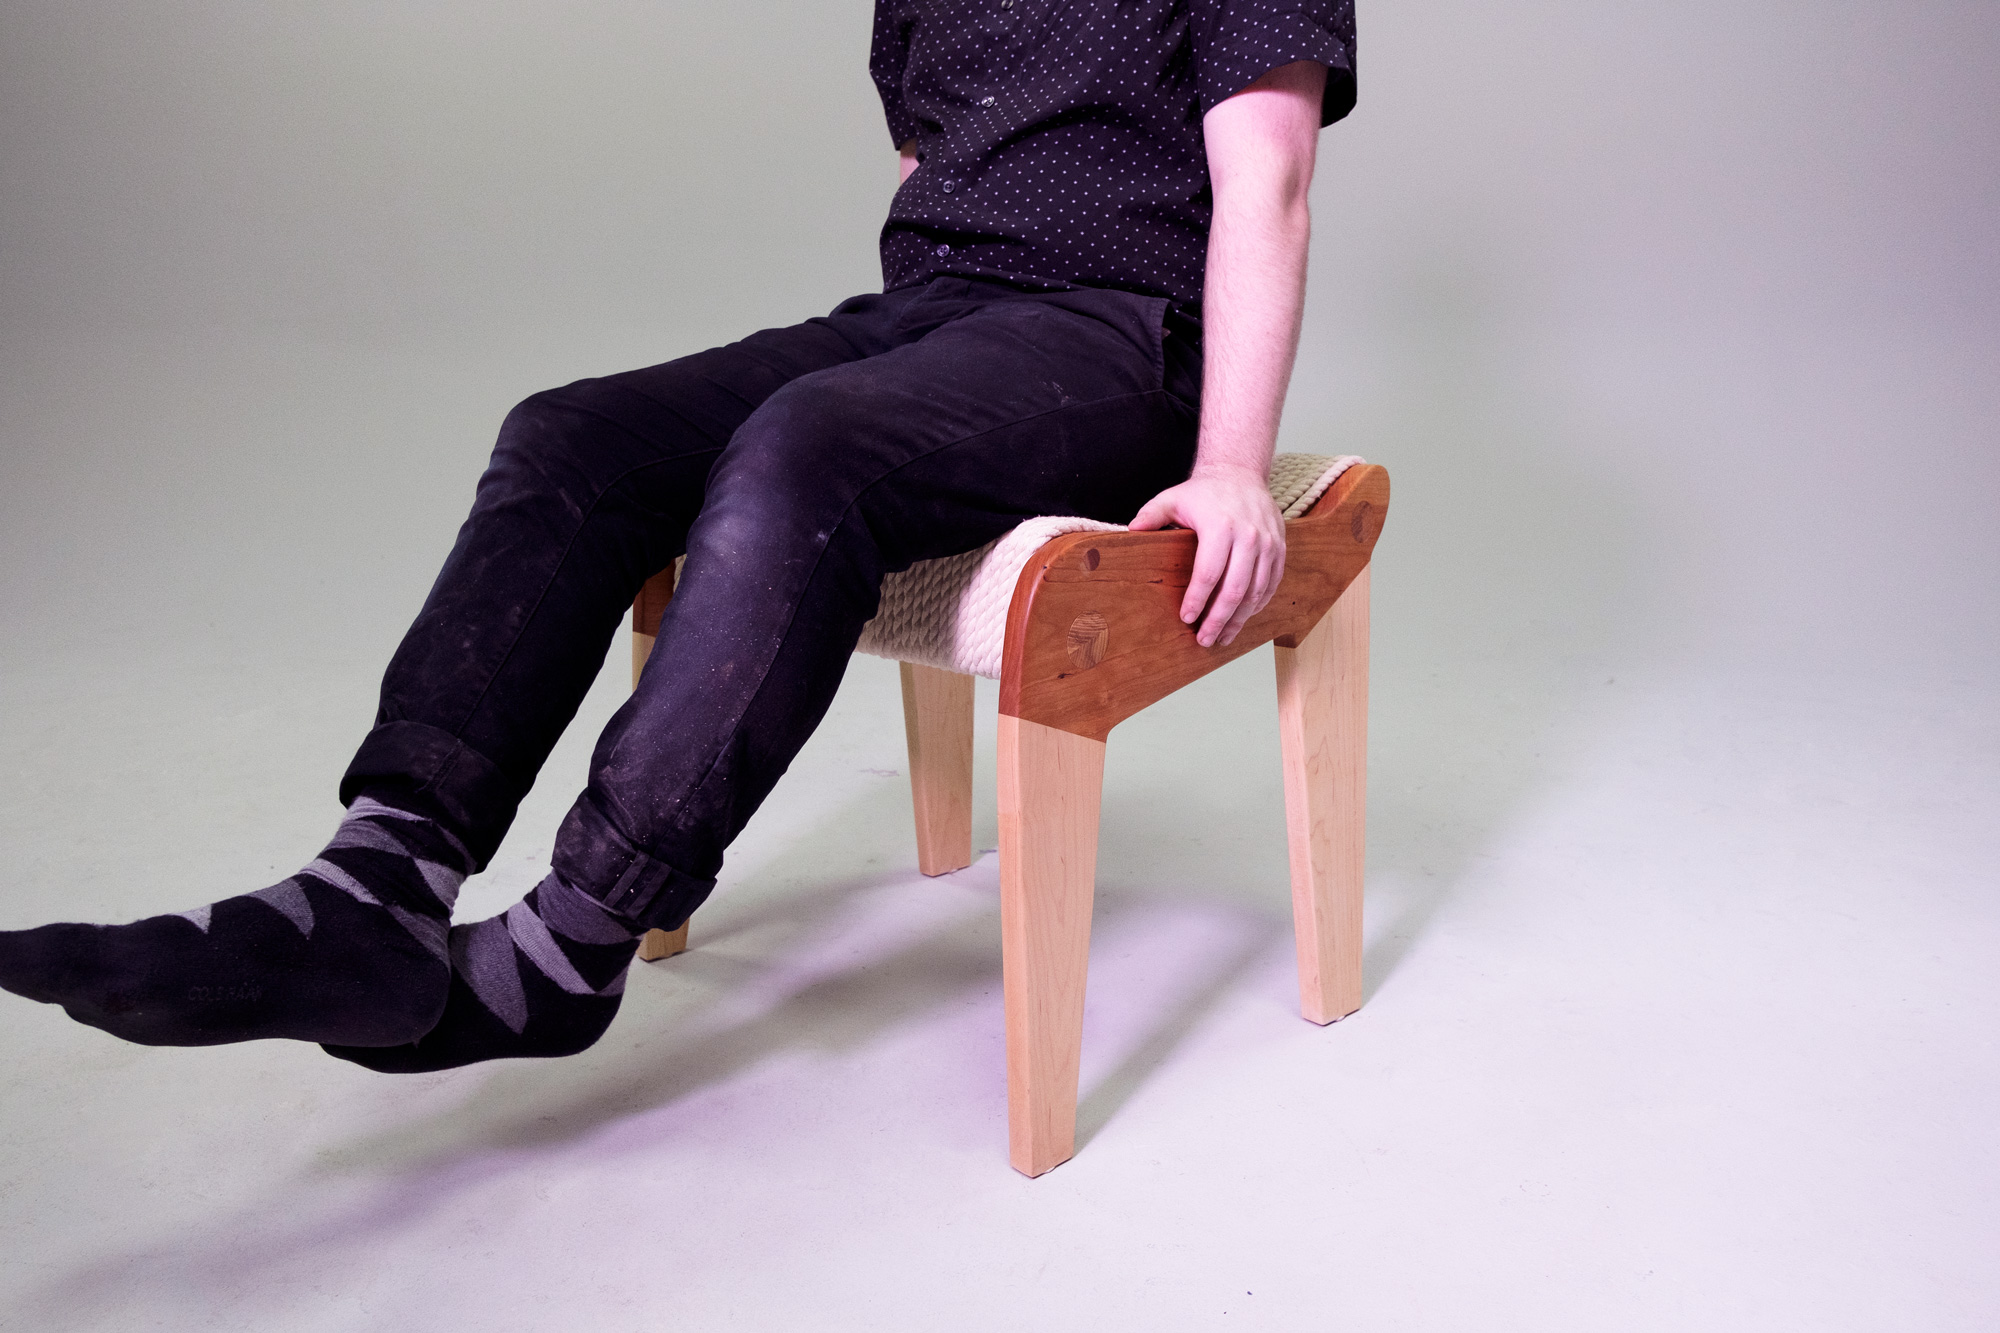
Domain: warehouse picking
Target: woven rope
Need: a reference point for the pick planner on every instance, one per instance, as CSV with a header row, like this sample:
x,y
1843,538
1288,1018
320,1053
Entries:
x,y
952,613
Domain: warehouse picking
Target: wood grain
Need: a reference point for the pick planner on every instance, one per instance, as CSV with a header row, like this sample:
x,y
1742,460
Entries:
x,y
642,652
937,722
1323,726
1051,785
1133,582
657,944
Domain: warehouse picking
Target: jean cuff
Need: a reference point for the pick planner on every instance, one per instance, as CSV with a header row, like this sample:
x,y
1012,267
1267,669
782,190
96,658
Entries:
x,y
428,771
591,855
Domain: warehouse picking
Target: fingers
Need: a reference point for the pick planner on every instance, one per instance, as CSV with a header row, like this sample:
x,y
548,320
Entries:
x,y
1239,553
1211,562
1255,564
1270,567
1220,624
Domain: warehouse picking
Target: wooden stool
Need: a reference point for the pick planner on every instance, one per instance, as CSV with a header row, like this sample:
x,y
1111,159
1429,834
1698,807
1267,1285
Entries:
x,y
1094,635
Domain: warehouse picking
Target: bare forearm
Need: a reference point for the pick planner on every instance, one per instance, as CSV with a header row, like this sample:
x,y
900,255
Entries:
x,y
1261,150
1254,300
1260,159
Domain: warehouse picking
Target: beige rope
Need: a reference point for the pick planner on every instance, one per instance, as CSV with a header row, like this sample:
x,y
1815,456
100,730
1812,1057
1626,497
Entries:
x,y
952,613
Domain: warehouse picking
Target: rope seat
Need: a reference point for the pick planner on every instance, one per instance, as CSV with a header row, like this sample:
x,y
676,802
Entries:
x,y
952,613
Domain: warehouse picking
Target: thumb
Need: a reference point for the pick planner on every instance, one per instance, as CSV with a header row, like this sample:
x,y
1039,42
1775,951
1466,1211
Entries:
x,y
1155,513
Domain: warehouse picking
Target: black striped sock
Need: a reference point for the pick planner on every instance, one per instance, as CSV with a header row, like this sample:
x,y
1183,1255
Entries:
x,y
351,949
542,978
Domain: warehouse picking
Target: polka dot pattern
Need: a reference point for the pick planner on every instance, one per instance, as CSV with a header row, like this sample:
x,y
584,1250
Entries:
x,y
1060,140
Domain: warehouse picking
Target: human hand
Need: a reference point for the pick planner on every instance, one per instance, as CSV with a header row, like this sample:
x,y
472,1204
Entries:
x,y
1239,546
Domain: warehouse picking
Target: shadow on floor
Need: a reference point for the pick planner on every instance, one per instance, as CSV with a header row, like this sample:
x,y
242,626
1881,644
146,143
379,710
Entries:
x,y
775,977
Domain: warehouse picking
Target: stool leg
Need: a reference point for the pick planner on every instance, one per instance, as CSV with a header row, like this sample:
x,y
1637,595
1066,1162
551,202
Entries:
x,y
937,718
646,610
657,944
1051,785
1323,719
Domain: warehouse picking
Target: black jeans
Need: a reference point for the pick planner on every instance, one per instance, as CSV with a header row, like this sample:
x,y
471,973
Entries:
x,y
794,469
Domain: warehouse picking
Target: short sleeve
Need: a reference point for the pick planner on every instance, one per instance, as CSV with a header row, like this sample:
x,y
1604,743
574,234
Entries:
x,y
1237,42
888,57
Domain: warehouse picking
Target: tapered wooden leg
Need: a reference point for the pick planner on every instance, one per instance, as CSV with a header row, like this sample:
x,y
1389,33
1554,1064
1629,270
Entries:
x,y
937,718
657,944
642,649
1051,784
646,611
1323,717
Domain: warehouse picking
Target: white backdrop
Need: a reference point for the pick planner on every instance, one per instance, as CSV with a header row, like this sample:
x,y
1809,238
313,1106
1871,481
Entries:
x,y
1675,324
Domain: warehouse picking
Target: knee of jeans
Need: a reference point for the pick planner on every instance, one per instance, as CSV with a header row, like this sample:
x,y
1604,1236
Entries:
x,y
795,465
757,516
549,444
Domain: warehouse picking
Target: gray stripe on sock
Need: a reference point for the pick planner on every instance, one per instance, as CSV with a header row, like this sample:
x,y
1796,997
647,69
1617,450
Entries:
x,y
340,879
361,833
483,954
429,931
289,898
198,915
466,863
426,929
576,915
368,805
375,837
443,881
615,986
534,940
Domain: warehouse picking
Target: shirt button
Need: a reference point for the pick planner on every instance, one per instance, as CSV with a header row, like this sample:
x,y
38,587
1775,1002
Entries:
x,y
949,186
986,101
943,250
1006,4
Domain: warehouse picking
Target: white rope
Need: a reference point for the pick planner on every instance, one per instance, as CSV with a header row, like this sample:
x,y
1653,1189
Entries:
x,y
952,613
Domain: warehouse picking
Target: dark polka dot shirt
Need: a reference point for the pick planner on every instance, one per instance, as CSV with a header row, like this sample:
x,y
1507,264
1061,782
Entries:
x,y
1060,140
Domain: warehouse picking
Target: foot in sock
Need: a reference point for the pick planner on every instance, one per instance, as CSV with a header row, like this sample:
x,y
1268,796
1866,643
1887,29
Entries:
x,y
351,950
542,978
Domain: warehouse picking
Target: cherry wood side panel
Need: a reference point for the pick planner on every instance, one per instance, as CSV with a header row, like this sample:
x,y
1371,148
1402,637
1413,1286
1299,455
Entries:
x,y
1051,785
1323,723
937,721
1094,631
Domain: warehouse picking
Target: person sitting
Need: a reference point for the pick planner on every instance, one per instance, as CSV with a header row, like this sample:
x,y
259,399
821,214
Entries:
x,y
1093,275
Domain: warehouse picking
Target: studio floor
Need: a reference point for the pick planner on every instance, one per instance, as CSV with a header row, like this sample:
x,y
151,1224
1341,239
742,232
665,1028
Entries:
x,y
1680,1014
